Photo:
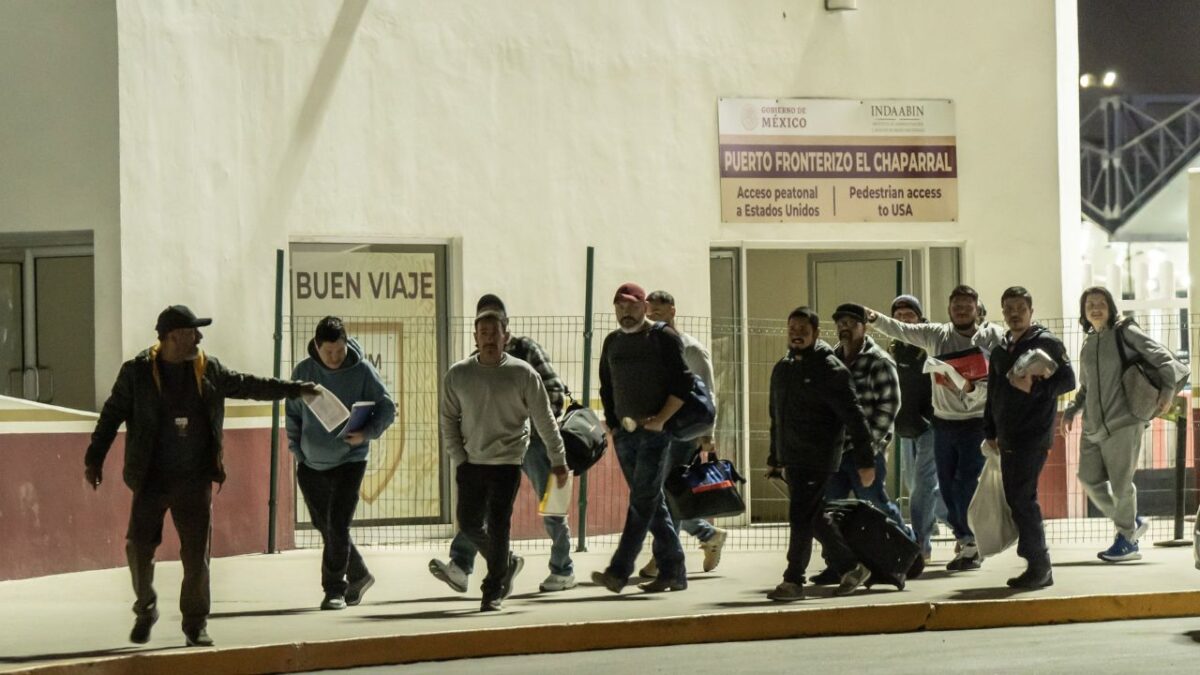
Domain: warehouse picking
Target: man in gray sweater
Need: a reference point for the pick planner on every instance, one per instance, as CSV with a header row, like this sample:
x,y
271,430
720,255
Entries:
x,y
488,402
957,412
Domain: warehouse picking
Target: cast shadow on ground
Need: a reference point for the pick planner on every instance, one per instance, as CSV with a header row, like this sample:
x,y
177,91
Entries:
x,y
1193,635
285,611
930,575
469,610
992,593
1100,563
557,598
409,601
90,654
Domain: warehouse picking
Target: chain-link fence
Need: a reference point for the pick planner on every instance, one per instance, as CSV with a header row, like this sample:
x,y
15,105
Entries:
x,y
407,496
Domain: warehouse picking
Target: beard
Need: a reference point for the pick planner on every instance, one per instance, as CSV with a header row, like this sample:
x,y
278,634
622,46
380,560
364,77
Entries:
x,y
963,326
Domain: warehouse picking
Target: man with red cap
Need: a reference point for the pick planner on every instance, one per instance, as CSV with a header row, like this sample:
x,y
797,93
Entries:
x,y
643,382
171,398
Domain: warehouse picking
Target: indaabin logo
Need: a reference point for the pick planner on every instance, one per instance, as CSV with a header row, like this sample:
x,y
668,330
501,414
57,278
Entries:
x,y
749,117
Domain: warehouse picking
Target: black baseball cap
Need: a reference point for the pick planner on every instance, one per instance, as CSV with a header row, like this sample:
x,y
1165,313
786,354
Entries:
x,y
178,316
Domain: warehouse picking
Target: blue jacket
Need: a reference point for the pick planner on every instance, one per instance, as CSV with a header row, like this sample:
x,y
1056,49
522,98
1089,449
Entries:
x,y
356,380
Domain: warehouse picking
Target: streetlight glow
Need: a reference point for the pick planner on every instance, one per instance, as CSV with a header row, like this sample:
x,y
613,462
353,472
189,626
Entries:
x,y
1110,78
1086,80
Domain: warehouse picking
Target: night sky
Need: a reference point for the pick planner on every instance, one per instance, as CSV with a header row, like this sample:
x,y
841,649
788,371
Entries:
x,y
1154,45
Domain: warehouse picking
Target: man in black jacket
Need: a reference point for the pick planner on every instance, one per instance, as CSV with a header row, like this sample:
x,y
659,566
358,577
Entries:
x,y
813,407
1019,421
914,430
171,398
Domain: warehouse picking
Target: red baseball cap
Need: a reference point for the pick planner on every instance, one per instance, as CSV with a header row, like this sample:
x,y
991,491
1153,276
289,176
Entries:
x,y
630,291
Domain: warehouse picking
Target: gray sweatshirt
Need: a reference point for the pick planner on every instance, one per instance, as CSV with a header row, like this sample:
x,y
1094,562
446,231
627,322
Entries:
x,y
1100,397
941,339
486,410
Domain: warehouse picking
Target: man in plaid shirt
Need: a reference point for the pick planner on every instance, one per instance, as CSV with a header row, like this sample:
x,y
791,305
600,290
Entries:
x,y
878,387
536,467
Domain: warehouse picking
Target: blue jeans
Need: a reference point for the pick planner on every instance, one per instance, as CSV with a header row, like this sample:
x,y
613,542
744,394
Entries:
x,y
644,457
959,462
537,469
682,453
845,482
920,477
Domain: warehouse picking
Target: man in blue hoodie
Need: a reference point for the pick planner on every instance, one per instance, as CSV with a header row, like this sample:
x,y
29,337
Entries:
x,y
329,466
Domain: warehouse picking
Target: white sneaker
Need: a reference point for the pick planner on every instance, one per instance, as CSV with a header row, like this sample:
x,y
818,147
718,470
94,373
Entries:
x,y
558,582
450,573
712,549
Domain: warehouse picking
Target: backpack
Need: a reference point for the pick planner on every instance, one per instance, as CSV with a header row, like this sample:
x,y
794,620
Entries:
x,y
695,418
583,437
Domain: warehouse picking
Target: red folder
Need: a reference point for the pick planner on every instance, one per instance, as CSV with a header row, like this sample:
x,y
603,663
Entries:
x,y
971,363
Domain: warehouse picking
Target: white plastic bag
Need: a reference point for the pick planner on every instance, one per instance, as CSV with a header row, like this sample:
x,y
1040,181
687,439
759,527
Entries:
x,y
988,515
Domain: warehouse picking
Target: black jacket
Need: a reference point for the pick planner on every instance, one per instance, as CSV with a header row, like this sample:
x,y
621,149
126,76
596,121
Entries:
x,y
916,390
1023,422
136,400
812,407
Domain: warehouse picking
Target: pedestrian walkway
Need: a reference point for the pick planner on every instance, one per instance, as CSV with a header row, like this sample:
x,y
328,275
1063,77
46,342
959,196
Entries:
x,y
265,616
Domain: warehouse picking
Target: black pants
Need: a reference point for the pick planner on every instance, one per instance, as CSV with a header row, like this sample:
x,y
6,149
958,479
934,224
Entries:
x,y
332,496
806,504
190,503
1021,468
486,494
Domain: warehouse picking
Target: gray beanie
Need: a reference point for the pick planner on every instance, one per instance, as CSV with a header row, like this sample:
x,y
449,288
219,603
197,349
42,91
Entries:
x,y
910,302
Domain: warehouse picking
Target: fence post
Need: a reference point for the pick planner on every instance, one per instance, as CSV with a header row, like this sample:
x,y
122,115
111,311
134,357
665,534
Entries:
x,y
274,491
1179,411
587,388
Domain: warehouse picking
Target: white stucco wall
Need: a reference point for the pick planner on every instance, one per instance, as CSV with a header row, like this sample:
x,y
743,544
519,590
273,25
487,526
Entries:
x,y
58,139
526,130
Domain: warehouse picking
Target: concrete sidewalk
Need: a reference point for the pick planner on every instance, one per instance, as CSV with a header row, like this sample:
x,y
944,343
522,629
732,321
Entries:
x,y
262,601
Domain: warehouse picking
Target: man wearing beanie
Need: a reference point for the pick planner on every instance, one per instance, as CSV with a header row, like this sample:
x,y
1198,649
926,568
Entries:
x,y
536,467
913,428
957,413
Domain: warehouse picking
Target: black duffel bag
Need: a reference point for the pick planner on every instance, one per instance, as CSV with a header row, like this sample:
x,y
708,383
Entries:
x,y
704,490
583,437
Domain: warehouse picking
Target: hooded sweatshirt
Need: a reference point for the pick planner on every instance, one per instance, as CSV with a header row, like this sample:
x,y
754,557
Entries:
x,y
1100,396
938,340
1024,422
355,380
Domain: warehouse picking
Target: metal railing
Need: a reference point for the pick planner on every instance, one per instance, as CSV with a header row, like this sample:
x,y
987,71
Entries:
x,y
407,496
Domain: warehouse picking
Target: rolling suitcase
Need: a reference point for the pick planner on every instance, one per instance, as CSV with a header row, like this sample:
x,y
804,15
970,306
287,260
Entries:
x,y
879,544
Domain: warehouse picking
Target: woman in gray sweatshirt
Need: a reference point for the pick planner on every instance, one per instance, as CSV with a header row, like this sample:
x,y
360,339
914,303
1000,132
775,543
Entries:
x,y
1111,442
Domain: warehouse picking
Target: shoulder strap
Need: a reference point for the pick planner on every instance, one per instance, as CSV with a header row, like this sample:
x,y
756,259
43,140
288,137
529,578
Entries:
x,y
1120,332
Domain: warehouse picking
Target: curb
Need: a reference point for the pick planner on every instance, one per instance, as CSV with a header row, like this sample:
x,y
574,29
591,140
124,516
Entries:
x,y
653,632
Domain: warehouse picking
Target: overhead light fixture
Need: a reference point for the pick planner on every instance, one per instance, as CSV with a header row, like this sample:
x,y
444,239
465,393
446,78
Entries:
x,y
1110,79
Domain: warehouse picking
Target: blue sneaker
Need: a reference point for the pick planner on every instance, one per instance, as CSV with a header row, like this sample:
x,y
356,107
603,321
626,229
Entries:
x,y
1140,527
1121,550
